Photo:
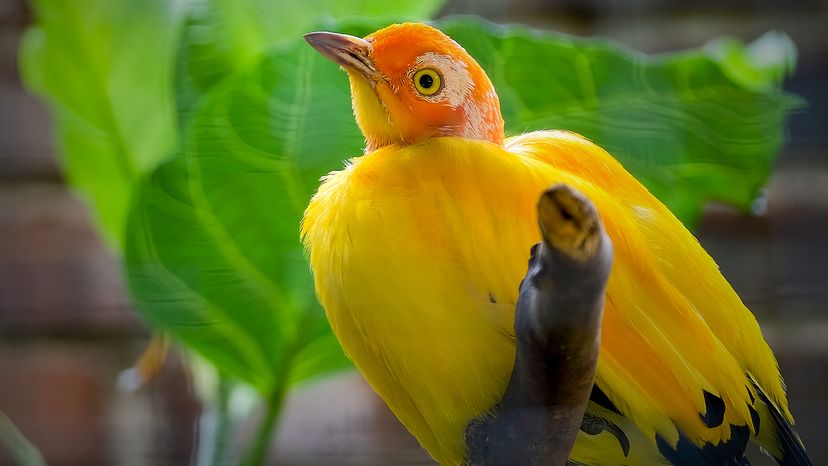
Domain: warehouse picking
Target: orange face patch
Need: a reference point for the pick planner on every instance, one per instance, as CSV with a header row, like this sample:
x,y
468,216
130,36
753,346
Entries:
x,y
455,98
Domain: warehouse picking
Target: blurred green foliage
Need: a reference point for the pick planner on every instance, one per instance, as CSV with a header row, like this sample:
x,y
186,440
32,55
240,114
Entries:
x,y
679,122
199,131
104,67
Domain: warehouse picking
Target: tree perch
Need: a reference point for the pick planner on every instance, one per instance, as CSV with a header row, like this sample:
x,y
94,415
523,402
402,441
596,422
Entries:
x,y
557,327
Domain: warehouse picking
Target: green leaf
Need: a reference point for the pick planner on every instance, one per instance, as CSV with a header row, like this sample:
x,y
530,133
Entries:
x,y
213,252
225,37
761,65
679,122
105,68
189,277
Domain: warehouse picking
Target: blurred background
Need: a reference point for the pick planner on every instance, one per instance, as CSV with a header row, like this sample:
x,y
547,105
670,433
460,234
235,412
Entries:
x,y
67,330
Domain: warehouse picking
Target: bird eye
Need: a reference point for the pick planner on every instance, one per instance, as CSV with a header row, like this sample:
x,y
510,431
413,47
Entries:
x,y
427,81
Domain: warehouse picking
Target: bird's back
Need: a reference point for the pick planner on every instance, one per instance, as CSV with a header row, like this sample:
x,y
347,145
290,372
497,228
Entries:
x,y
418,252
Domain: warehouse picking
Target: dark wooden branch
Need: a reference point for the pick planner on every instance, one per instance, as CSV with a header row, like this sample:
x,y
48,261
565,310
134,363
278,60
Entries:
x,y
557,327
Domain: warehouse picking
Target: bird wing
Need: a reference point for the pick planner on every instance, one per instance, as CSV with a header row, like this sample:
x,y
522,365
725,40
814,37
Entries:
x,y
417,254
681,355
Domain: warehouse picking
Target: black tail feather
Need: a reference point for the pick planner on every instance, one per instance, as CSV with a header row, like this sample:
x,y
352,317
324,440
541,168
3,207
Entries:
x,y
793,451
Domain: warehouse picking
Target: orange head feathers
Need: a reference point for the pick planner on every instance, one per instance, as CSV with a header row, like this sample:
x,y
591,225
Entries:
x,y
410,82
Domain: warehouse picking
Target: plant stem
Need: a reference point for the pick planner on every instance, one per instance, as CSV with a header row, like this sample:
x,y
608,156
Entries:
x,y
215,426
257,453
224,421
20,449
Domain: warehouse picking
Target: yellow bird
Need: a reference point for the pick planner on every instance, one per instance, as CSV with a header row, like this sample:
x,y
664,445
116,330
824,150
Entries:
x,y
419,245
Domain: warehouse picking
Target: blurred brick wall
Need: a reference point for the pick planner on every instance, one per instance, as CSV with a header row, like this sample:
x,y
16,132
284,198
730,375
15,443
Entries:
x,y
66,330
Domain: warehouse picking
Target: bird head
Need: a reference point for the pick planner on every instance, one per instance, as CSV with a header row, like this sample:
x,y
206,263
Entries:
x,y
410,82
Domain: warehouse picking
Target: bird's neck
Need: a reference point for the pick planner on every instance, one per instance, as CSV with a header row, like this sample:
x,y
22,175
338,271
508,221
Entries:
x,y
482,119
476,123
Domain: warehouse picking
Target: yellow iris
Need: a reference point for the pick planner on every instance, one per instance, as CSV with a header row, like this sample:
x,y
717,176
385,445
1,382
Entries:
x,y
427,81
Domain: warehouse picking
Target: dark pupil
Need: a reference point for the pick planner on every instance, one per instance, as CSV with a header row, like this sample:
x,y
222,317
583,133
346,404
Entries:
x,y
426,81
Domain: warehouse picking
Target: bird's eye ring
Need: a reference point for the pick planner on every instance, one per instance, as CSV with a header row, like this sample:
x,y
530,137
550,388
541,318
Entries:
x,y
427,81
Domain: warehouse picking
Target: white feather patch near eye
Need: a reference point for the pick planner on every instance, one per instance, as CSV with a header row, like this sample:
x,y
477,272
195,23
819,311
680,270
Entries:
x,y
457,81
477,125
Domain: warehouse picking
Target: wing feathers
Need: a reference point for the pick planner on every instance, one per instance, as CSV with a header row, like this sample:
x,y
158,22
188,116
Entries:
x,y
674,344
677,341
791,451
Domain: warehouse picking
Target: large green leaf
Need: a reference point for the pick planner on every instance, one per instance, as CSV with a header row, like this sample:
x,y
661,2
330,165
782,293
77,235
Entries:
x,y
762,64
679,122
213,252
105,68
224,37
189,275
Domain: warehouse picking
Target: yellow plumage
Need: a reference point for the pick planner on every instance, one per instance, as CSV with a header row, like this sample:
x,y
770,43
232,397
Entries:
x,y
417,253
